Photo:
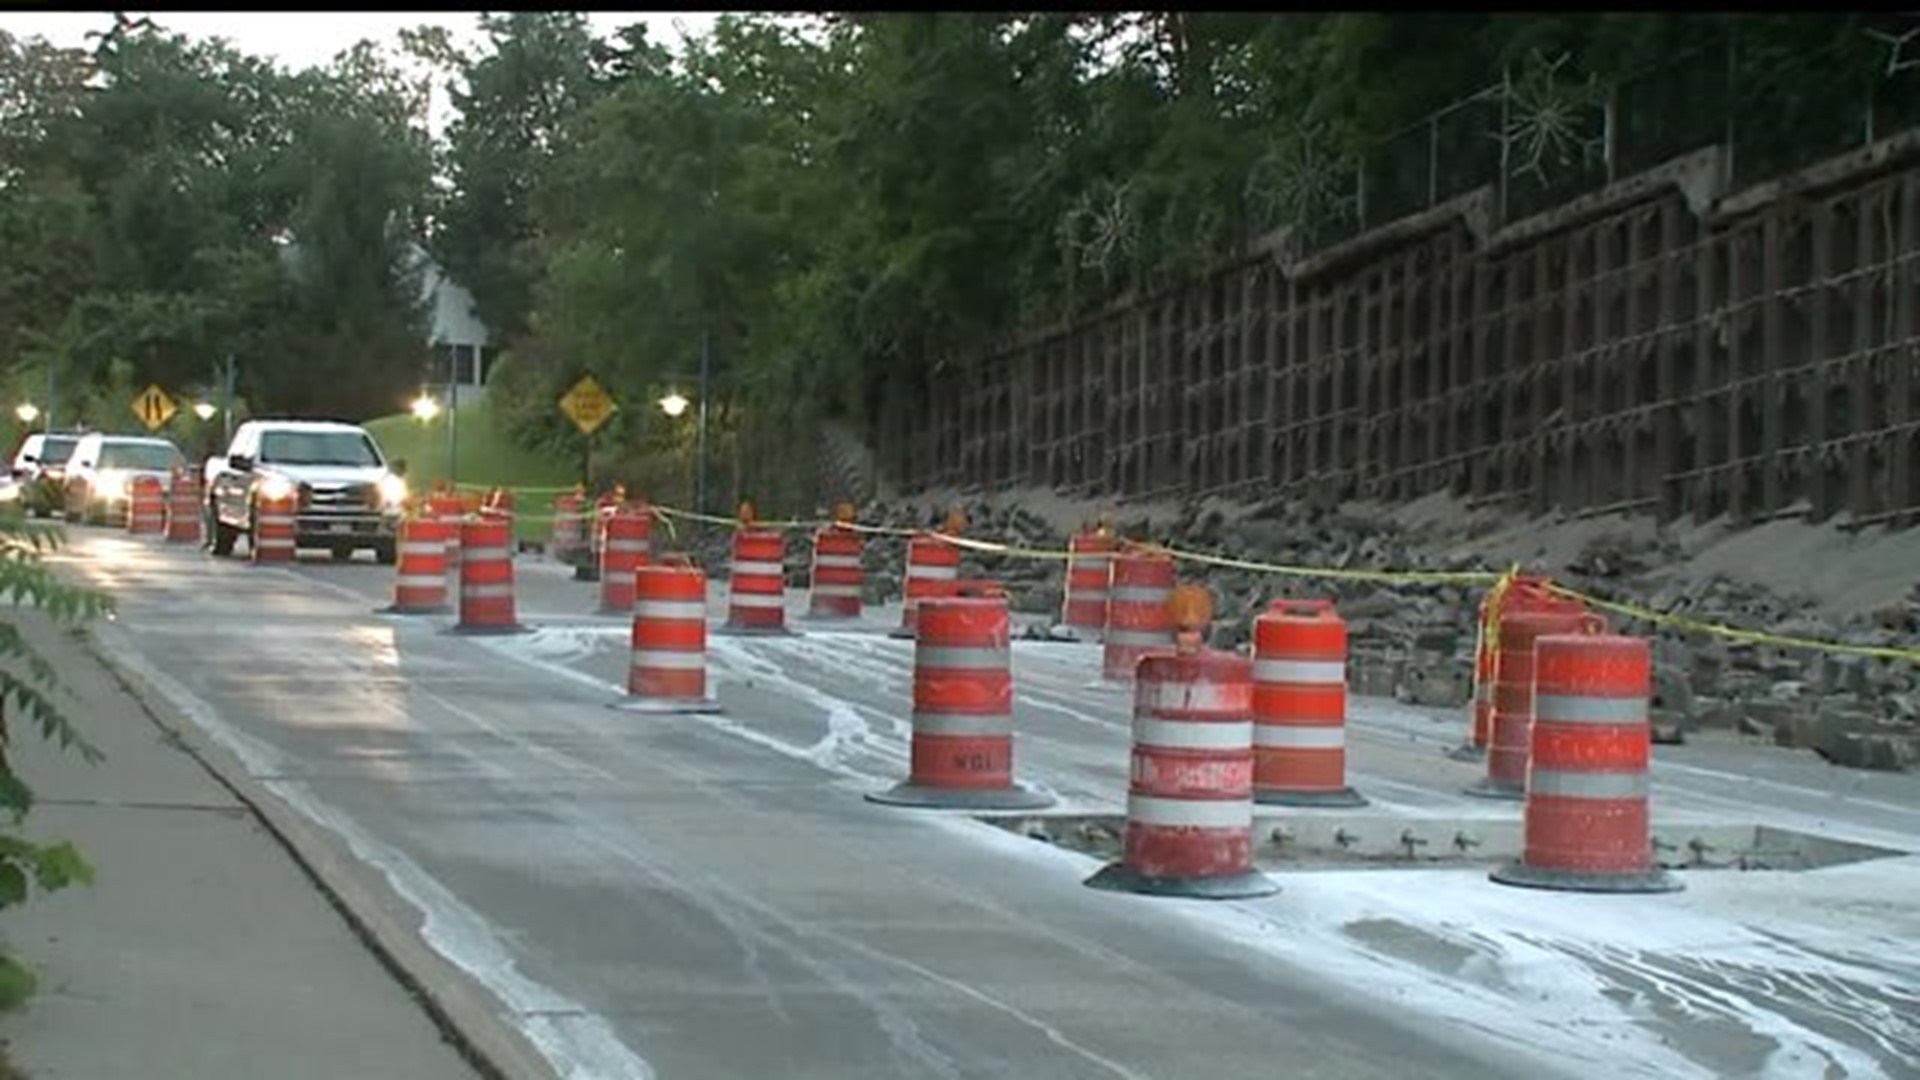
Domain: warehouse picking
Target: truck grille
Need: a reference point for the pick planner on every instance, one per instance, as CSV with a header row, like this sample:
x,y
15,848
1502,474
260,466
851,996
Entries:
x,y
339,497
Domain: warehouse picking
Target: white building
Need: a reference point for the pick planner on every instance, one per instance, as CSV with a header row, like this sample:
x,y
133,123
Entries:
x,y
461,346
462,353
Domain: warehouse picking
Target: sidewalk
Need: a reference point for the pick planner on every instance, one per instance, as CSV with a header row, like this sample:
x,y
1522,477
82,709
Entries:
x,y
202,951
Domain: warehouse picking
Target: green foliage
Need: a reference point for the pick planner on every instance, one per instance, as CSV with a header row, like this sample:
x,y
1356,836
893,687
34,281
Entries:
x,y
838,204
28,684
164,202
17,984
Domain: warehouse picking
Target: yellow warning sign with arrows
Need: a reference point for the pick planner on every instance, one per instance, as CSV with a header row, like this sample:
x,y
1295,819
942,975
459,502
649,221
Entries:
x,y
588,405
154,407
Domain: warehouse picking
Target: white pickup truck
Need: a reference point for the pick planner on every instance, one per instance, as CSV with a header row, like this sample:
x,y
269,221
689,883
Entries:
x,y
349,497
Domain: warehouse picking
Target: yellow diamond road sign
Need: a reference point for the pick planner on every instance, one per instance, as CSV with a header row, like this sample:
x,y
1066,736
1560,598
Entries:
x,y
588,405
154,407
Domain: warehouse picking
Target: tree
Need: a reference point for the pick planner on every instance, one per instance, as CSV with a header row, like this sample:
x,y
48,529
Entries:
x,y
515,102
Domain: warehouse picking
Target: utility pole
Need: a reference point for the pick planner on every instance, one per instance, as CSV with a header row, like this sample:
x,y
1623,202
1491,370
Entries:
x,y
51,366
227,379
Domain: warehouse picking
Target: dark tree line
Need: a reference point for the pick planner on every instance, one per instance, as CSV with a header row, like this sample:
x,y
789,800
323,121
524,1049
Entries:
x,y
833,203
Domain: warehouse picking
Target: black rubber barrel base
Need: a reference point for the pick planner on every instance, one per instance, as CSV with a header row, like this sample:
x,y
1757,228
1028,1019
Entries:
x,y
1487,789
1532,877
1345,797
1016,797
1468,752
430,609
1115,877
902,633
489,631
667,706
730,630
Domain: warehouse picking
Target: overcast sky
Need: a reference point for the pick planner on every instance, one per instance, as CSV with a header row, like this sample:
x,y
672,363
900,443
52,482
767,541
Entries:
x,y
300,39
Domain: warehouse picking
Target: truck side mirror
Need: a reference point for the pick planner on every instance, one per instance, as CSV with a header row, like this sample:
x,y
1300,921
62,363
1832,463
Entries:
x,y
239,463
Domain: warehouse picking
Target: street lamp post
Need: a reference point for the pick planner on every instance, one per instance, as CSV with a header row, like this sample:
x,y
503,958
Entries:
x,y
453,432
700,439
674,404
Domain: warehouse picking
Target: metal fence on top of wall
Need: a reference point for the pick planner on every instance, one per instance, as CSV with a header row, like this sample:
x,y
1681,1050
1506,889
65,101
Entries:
x,y
1675,340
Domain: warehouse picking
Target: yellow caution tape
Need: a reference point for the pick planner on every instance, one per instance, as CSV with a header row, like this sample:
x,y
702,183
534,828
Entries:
x,y
1734,633
1499,583
1401,577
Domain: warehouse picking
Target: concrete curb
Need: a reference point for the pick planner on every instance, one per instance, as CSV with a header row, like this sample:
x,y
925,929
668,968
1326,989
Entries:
x,y
467,1014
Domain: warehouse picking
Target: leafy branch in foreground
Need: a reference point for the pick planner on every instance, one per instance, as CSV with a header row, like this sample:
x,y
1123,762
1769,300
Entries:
x,y
28,685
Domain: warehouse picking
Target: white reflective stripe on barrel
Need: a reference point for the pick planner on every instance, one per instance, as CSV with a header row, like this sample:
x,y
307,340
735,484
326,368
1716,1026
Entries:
x,y
692,660
961,657
685,610
836,590
758,569
838,562
961,725
487,554
1562,709
1286,737
933,573
422,581
1309,672
1128,594
1161,695
758,600
626,546
1089,594
1191,734
1150,810
1140,638
1587,785
487,591
423,548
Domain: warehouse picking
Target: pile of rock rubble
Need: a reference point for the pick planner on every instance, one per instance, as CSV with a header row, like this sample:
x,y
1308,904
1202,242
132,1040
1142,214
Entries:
x,y
1416,641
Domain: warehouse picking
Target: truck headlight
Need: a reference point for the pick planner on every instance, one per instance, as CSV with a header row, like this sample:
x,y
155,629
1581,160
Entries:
x,y
393,491
276,488
112,484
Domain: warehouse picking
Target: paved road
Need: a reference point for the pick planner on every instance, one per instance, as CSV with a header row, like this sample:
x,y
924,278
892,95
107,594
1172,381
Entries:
x,y
710,896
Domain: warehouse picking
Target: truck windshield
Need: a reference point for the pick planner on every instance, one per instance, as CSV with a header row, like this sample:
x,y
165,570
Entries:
x,y
138,455
56,450
317,448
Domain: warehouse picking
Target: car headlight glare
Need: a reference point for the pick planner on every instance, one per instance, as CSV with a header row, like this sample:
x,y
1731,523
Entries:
x,y
393,491
276,488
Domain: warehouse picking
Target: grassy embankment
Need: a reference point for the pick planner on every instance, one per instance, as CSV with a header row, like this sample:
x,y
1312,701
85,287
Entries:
x,y
486,458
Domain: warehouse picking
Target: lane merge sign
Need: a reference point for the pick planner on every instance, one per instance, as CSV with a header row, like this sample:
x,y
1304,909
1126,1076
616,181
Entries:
x,y
588,405
154,407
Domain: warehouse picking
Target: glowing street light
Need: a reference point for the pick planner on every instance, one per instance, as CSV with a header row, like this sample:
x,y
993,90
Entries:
x,y
674,404
425,408
204,410
28,412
